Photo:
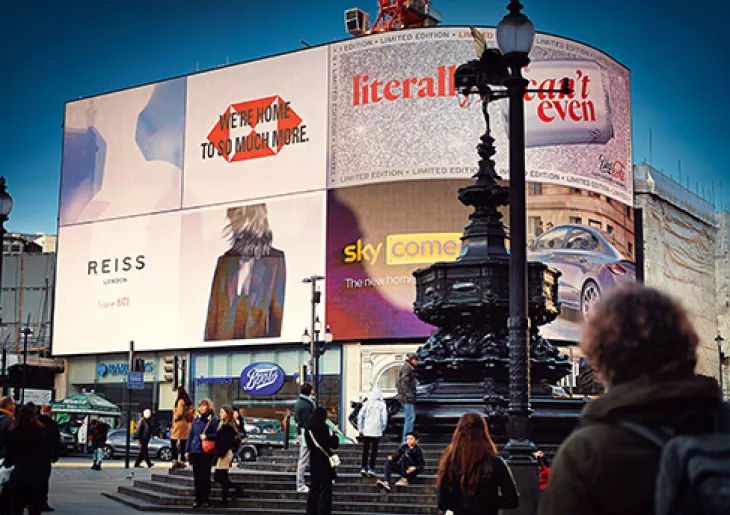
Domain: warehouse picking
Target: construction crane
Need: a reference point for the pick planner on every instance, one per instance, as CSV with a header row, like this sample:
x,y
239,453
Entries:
x,y
392,15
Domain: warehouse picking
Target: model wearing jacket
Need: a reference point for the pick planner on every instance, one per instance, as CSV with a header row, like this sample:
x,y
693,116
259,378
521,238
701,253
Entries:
x,y
204,424
321,442
371,422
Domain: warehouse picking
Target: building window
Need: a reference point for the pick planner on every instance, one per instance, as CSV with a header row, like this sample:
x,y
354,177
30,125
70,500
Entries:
x,y
594,194
534,226
609,229
576,191
576,220
534,188
629,211
631,249
595,224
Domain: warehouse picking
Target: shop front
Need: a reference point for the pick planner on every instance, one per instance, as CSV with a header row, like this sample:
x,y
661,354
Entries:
x,y
106,376
263,383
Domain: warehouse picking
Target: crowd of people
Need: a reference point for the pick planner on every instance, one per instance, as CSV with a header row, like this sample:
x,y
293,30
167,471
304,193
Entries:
x,y
640,344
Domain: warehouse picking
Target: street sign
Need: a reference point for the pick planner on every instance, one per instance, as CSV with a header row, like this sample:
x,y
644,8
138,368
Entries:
x,y
135,380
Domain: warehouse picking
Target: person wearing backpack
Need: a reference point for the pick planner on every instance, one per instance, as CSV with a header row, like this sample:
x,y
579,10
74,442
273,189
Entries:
x,y
643,348
371,422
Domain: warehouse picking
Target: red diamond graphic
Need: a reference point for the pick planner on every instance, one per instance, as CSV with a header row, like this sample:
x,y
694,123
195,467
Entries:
x,y
257,144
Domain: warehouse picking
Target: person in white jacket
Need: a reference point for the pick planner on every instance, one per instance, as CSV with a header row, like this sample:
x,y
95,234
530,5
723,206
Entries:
x,y
371,422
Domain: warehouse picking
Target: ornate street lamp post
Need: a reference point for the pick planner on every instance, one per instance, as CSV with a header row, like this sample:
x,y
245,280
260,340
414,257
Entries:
x,y
316,347
515,35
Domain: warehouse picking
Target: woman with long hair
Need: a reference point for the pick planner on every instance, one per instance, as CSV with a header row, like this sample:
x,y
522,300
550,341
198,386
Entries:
x,y
183,415
204,428
29,454
472,479
226,441
320,441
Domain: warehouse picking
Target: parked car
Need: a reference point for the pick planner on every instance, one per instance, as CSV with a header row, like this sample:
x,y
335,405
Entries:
x,y
589,263
117,440
68,442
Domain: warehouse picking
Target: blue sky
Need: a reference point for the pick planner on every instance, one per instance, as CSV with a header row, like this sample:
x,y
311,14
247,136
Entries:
x,y
53,51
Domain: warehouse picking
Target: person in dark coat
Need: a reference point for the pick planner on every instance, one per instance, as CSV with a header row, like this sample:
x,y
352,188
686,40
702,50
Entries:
x,y
53,441
99,432
144,434
303,409
472,479
203,428
226,441
406,386
320,441
643,347
7,422
241,427
407,462
30,456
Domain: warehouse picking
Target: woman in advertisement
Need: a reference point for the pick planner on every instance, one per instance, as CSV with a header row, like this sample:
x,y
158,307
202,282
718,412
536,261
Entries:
x,y
247,294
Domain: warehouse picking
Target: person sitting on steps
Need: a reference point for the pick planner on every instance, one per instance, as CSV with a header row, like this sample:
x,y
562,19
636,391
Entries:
x,y
407,462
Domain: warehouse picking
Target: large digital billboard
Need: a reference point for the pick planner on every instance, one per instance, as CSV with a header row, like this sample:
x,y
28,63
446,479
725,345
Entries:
x,y
191,209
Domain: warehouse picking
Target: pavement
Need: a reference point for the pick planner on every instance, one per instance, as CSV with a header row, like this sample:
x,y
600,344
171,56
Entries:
x,y
76,489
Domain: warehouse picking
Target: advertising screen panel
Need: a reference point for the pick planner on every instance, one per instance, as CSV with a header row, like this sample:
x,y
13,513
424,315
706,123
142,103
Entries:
x,y
395,113
201,278
242,267
191,209
257,129
402,142
122,153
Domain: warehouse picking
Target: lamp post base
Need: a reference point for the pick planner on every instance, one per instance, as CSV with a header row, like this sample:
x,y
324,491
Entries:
x,y
519,454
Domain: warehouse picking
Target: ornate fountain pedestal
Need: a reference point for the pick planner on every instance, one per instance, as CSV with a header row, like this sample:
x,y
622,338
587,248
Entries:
x,y
464,365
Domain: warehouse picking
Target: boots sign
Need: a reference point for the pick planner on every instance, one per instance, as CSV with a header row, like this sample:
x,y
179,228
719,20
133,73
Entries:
x,y
261,379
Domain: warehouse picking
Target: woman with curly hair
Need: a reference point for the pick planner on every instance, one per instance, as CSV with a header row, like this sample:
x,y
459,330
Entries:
x,y
643,348
472,479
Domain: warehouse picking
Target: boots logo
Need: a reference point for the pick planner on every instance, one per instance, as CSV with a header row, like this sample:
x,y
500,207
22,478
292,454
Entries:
x,y
256,128
260,379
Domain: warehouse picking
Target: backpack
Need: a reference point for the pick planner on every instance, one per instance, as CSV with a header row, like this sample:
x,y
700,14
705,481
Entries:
x,y
694,470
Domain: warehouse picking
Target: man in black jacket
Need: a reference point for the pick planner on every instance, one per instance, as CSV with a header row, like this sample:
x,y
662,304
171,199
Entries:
x,y
407,462
144,435
303,409
53,441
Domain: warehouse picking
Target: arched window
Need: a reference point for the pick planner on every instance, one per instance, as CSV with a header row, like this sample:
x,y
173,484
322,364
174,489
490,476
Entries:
x,y
388,378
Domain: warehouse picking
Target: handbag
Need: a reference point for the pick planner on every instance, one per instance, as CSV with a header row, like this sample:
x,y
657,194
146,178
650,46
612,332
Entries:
x,y
207,445
333,458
